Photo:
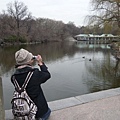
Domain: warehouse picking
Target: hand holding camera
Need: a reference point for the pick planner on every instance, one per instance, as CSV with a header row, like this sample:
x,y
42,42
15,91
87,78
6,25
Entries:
x,y
38,58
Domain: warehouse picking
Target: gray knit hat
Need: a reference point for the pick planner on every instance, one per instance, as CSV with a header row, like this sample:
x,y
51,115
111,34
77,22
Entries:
x,y
23,57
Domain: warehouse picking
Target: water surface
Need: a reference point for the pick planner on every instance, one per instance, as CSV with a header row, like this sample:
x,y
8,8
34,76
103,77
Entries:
x,y
76,69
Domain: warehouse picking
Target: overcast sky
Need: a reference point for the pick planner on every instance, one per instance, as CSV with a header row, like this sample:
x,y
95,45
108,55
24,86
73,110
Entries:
x,y
63,10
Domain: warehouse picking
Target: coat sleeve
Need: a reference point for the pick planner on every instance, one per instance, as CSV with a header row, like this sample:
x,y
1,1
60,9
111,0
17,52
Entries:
x,y
44,73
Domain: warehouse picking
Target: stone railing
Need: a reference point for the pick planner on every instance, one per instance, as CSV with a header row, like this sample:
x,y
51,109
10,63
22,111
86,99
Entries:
x,y
2,112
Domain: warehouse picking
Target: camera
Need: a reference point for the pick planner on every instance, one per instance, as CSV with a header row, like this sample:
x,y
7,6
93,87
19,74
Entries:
x,y
34,57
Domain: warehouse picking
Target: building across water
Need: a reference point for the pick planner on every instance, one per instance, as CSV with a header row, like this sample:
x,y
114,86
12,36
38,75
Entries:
x,y
104,38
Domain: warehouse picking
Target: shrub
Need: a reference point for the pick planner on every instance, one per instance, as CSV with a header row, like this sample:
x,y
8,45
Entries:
x,y
22,40
13,39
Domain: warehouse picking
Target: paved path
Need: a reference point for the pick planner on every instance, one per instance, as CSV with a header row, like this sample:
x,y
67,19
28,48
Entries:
x,y
104,109
103,105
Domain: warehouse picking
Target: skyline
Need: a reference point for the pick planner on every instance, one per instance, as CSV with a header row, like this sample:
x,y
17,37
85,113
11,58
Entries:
x,y
67,11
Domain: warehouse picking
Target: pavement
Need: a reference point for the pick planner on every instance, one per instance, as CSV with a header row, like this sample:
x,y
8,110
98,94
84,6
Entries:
x,y
105,109
103,105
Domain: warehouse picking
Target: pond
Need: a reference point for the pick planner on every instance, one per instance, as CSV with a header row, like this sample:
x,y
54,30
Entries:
x,y
76,68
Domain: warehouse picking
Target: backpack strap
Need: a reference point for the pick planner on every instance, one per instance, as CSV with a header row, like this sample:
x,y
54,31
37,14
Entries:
x,y
27,80
17,87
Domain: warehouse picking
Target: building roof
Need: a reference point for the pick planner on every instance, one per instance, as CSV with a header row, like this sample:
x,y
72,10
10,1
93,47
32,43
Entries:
x,y
107,35
82,35
91,35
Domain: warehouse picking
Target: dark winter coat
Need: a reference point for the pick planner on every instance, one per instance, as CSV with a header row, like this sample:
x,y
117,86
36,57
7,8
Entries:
x,y
33,88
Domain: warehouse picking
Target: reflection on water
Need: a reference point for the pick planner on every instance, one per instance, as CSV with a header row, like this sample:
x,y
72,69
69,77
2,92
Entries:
x,y
76,69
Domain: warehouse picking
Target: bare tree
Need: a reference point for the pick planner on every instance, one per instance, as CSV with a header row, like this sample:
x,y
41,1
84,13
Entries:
x,y
49,30
73,30
105,11
18,25
7,25
19,13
